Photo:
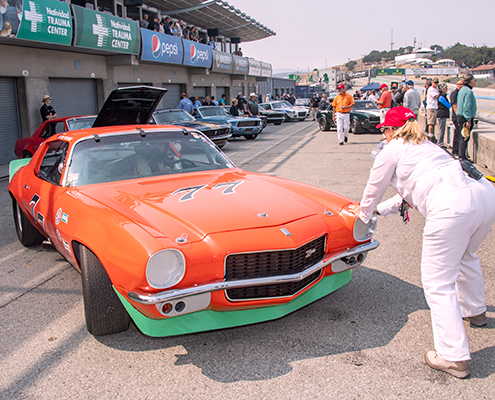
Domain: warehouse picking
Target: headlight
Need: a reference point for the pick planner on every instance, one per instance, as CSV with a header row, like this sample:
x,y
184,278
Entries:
x,y
362,231
165,268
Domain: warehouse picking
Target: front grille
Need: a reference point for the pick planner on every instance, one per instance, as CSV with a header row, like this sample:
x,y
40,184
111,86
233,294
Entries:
x,y
273,263
302,113
242,124
374,119
216,132
281,290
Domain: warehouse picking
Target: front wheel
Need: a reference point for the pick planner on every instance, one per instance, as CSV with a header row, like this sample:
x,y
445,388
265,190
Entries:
x,y
104,312
26,232
356,126
251,136
277,123
323,123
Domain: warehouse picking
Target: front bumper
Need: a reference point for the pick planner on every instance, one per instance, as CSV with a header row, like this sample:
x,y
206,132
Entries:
x,y
344,260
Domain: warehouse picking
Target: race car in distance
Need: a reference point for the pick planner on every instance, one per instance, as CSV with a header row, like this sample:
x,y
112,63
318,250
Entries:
x,y
239,126
364,116
291,112
218,133
168,233
272,116
25,147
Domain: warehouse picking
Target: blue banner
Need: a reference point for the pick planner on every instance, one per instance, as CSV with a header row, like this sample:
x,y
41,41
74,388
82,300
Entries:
x,y
197,54
163,48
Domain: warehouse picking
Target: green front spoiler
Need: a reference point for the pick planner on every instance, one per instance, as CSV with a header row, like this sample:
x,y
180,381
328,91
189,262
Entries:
x,y
15,165
208,320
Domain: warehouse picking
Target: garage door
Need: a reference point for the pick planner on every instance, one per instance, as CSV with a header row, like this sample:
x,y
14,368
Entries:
x,y
172,98
9,115
199,91
222,90
73,96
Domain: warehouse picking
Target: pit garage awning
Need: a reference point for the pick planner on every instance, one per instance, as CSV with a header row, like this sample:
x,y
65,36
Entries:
x,y
229,20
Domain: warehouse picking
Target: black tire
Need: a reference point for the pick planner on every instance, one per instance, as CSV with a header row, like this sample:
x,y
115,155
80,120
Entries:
x,y
104,312
26,154
277,123
26,232
286,118
355,126
251,136
323,123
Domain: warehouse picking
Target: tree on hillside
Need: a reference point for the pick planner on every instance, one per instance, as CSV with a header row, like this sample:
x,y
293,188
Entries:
x,y
350,65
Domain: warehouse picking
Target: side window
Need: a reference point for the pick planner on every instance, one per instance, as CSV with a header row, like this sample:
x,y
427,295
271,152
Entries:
x,y
52,165
52,129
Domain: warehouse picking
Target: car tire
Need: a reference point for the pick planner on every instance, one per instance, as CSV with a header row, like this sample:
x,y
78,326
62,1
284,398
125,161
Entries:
x,y
355,126
277,123
26,154
301,119
323,123
286,118
251,136
26,232
104,312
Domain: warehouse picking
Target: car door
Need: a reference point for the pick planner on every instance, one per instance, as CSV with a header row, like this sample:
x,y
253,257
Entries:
x,y
43,190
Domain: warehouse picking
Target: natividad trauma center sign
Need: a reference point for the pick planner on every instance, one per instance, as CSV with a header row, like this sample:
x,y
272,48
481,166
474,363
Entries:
x,y
44,21
97,30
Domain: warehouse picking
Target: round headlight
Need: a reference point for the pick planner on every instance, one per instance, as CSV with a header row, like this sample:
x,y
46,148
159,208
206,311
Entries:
x,y
362,231
165,268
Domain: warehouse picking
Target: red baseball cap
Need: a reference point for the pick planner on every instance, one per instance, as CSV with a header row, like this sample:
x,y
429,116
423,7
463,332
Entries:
x,y
341,86
397,116
383,85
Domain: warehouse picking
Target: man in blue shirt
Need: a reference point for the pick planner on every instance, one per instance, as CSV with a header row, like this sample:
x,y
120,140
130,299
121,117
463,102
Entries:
x,y
466,111
185,104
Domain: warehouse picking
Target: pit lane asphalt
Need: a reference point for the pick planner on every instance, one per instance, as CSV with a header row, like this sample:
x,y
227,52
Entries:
x,y
365,341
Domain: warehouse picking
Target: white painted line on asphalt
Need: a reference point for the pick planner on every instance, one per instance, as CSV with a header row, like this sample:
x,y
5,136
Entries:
x,y
2,260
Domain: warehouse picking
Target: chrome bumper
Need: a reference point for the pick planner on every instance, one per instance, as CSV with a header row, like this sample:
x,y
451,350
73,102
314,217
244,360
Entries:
x,y
173,294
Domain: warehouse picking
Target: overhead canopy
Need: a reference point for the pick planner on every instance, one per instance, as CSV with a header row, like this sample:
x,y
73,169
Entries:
x,y
371,86
229,20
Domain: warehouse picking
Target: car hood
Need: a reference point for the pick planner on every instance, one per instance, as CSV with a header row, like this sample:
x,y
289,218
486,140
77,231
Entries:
x,y
367,112
130,105
202,203
228,119
201,126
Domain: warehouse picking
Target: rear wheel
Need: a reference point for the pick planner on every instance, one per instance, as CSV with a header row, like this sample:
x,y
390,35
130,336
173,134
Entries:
x,y
104,312
251,136
277,123
323,123
26,154
356,126
26,232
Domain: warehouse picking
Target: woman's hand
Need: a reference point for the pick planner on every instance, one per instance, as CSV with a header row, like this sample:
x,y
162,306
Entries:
x,y
355,209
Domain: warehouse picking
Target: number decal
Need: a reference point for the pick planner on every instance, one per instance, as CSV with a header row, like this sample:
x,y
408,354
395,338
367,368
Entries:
x,y
190,192
229,187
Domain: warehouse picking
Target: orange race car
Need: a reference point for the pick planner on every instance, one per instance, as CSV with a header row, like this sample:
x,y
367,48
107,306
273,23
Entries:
x,y
167,232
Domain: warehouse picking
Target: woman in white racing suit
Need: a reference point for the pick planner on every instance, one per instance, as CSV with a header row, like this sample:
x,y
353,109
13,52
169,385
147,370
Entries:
x,y
459,213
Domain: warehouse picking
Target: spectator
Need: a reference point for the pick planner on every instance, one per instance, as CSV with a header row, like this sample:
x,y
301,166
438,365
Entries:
x,y
173,30
166,26
385,101
342,106
153,25
47,111
234,109
443,113
194,35
292,99
252,106
240,104
208,102
215,103
466,111
161,28
180,28
432,108
196,101
457,131
185,104
412,98
323,102
373,97
186,34
315,105
145,22
240,52
268,97
212,43
222,100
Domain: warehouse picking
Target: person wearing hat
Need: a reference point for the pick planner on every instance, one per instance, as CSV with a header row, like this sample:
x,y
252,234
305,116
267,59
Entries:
x,y
185,104
459,214
252,106
46,110
412,98
384,102
342,105
432,95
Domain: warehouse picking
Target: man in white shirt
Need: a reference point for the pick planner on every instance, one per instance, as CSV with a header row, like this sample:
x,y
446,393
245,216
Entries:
x,y
432,108
412,98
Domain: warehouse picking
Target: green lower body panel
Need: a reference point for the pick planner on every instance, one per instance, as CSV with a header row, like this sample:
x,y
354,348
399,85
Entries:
x,y
210,320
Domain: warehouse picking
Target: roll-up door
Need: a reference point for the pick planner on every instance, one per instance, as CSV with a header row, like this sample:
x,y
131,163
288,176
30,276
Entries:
x,y
73,96
199,91
172,97
9,115
222,90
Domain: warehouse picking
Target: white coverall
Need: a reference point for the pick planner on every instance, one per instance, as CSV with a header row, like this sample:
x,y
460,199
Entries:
x,y
342,120
459,213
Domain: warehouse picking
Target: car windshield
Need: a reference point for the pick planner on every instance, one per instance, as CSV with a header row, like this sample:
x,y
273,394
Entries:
x,y
279,105
128,156
213,111
365,105
80,123
167,117
302,102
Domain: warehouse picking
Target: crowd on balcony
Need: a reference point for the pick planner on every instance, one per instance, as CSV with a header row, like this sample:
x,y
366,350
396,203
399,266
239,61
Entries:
x,y
168,27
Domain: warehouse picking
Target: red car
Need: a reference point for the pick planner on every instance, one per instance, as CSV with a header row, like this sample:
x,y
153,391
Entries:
x,y
25,147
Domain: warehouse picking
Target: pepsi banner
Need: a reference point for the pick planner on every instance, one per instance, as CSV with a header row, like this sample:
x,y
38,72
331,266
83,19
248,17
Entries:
x,y
222,62
254,67
163,48
197,54
266,69
241,65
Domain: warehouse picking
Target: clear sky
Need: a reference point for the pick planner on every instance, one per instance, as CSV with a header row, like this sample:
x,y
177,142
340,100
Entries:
x,y
319,33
